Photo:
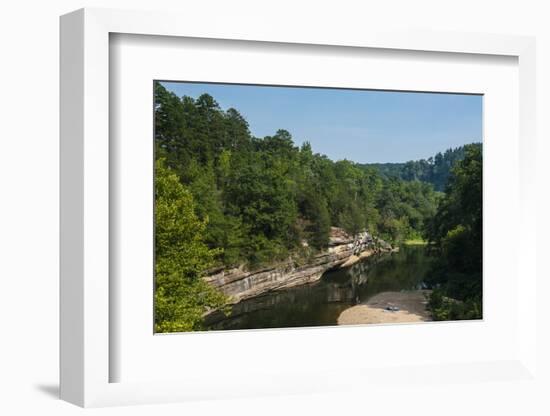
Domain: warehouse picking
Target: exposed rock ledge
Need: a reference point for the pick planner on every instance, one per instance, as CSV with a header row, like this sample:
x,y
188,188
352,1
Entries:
x,y
343,251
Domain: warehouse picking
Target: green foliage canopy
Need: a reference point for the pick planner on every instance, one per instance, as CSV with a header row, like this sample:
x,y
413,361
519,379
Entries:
x,y
265,197
456,230
181,296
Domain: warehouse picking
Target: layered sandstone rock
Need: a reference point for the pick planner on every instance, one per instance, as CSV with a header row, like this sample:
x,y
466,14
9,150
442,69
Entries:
x,y
343,251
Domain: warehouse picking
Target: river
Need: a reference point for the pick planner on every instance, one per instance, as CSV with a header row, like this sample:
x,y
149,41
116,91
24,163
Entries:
x,y
321,303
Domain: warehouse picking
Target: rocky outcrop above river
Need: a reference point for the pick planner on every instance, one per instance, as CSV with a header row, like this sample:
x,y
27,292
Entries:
x,y
343,250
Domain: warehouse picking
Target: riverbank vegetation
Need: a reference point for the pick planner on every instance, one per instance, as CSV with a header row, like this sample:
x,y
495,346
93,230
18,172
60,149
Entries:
x,y
225,198
181,296
415,242
456,231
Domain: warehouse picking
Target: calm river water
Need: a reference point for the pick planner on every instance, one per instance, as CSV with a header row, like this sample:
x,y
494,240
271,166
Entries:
x,y
321,303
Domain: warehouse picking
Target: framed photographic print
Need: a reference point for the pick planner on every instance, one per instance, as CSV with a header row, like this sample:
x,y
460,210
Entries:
x,y
256,228
237,208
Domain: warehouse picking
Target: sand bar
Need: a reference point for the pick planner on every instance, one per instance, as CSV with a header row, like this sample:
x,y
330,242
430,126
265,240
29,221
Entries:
x,y
411,304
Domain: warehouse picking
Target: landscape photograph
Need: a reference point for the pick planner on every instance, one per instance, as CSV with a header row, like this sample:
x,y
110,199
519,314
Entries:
x,y
289,206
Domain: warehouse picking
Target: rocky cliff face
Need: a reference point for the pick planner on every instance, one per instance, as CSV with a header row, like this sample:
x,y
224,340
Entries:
x,y
343,251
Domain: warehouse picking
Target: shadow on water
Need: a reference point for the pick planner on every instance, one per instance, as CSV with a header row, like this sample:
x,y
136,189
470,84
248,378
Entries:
x,y
321,303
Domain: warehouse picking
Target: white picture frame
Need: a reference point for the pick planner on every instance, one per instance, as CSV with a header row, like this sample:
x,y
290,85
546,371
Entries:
x,y
86,355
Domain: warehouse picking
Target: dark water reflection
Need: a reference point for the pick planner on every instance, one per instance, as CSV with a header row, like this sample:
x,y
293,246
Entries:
x,y
321,303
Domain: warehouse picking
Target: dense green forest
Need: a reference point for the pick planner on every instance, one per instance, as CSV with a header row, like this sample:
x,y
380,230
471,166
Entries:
x,y
225,198
435,170
261,197
456,232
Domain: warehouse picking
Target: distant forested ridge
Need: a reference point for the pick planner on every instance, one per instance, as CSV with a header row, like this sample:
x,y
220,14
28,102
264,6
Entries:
x,y
434,170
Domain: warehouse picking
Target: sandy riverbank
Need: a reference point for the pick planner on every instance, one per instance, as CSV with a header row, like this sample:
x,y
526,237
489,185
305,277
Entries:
x,y
412,308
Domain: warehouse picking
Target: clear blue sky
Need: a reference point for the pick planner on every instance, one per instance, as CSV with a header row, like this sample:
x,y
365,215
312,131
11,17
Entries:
x,y
359,125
